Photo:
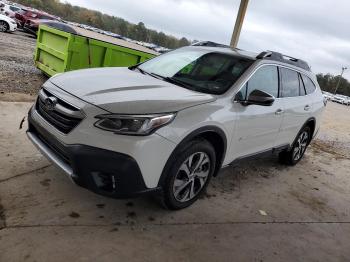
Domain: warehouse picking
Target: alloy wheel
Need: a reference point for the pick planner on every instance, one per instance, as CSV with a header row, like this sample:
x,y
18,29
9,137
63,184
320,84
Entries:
x,y
3,26
191,176
300,145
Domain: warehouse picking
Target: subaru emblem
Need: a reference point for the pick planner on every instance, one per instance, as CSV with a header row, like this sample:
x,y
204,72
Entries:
x,y
50,103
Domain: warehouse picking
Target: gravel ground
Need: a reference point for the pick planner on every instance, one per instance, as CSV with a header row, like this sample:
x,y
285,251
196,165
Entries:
x,y
17,71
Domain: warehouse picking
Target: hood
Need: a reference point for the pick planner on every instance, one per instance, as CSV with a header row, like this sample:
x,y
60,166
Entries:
x,y
6,18
123,91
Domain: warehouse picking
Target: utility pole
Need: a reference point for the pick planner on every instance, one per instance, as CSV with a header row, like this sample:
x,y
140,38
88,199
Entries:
x,y
239,22
340,78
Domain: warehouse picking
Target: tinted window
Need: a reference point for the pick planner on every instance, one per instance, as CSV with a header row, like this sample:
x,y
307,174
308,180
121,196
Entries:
x,y
290,83
14,8
309,85
264,79
198,69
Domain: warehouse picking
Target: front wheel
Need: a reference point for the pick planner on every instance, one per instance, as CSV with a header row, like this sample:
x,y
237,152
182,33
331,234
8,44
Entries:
x,y
190,174
296,153
4,27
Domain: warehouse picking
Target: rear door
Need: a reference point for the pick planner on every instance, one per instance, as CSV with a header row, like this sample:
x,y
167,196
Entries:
x,y
257,127
297,105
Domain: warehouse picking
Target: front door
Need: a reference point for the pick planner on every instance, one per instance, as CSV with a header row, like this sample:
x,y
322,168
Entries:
x,y
257,127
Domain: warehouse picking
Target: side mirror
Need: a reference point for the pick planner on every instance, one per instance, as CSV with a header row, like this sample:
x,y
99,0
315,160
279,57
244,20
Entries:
x,y
256,97
260,98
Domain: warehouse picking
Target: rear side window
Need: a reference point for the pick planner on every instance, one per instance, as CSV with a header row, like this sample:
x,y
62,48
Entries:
x,y
309,85
264,79
290,83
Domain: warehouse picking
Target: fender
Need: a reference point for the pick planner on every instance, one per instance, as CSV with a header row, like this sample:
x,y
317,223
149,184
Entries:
x,y
197,133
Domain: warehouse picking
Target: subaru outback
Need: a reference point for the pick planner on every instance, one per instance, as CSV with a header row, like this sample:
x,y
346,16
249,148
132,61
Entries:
x,y
168,125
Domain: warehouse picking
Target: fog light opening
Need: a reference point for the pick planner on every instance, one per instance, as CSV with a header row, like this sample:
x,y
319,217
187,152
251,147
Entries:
x,y
104,181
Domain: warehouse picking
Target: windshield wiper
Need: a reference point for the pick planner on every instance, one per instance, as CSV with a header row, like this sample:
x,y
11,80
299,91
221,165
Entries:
x,y
142,71
173,81
150,74
168,79
179,83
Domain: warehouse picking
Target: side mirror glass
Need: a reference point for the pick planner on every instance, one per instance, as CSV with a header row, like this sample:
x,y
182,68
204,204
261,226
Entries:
x,y
256,97
261,98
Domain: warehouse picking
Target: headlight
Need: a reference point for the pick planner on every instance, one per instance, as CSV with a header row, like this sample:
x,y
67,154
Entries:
x,y
140,125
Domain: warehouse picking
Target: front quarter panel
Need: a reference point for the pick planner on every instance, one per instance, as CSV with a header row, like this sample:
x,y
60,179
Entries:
x,y
218,114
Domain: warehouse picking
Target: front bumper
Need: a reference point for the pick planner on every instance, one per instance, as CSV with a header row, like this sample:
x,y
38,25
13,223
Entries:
x,y
102,171
13,27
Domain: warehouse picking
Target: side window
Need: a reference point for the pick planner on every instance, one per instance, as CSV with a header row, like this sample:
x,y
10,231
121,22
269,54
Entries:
x,y
290,83
301,86
309,85
265,79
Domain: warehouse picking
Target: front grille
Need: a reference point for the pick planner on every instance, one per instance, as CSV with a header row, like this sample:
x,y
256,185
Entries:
x,y
62,116
50,142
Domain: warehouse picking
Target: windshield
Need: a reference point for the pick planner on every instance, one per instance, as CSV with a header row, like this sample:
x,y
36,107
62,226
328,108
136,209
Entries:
x,y
198,70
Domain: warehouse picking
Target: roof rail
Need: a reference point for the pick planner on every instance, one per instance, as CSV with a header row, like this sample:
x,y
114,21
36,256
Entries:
x,y
209,44
275,56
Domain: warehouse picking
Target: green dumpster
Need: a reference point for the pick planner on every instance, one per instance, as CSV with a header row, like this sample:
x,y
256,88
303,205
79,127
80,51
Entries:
x,y
58,51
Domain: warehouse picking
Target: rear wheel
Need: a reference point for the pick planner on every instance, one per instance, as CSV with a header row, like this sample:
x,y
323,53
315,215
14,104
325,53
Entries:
x,y
189,175
4,27
296,153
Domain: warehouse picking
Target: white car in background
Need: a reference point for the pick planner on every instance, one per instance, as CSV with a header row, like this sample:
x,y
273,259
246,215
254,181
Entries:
x,y
338,99
327,95
7,24
9,10
346,99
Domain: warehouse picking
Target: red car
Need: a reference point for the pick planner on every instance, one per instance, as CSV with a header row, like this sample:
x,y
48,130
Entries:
x,y
32,25
26,14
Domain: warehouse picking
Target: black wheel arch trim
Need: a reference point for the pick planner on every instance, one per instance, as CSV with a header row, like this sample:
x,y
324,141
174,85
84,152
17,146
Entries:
x,y
194,134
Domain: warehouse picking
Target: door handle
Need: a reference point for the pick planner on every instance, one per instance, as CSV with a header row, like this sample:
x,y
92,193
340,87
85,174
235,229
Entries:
x,y
307,108
279,112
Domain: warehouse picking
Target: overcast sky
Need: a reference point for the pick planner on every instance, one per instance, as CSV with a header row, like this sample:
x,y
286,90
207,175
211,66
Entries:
x,y
315,30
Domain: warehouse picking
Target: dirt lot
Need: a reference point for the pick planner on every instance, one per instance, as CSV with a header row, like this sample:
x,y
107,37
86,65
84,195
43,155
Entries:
x,y
44,217
17,73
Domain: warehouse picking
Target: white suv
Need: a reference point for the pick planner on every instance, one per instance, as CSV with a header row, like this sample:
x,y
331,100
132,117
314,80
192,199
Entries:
x,y
168,125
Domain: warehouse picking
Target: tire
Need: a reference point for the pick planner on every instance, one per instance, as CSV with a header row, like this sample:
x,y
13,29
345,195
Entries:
x,y
184,184
296,153
4,27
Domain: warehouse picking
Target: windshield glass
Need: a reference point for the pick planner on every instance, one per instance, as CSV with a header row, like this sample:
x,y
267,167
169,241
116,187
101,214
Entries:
x,y
199,70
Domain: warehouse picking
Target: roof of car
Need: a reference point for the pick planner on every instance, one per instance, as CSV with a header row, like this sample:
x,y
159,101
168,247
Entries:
x,y
233,51
214,47
265,55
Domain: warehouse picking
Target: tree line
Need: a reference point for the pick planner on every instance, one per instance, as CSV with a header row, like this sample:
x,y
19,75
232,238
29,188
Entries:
x,y
106,22
329,82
